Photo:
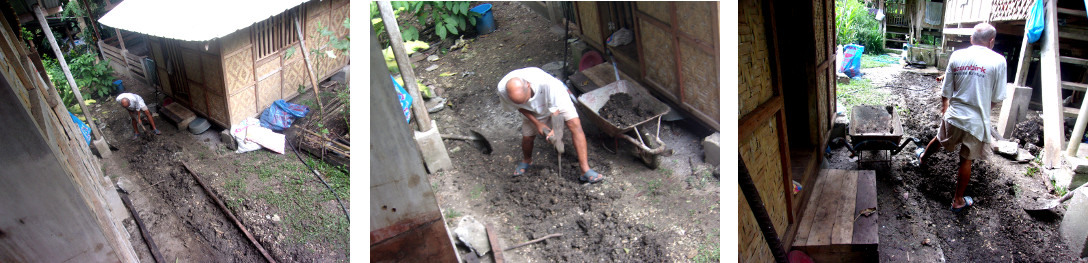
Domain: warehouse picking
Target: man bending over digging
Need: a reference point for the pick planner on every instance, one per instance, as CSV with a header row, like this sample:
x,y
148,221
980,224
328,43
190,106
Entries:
x,y
135,105
974,83
539,97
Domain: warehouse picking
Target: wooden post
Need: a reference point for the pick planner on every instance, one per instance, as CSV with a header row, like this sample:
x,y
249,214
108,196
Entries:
x,y
309,66
406,72
1022,68
1053,122
124,52
67,72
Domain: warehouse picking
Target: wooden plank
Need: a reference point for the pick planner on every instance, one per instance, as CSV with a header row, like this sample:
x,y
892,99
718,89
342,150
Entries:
x,y
784,161
1073,60
1026,53
1072,12
1069,85
1070,111
1051,91
820,233
809,216
866,227
758,116
843,231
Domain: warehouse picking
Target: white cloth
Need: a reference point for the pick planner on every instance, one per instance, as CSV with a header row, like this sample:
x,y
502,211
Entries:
x,y
974,79
135,102
549,93
239,132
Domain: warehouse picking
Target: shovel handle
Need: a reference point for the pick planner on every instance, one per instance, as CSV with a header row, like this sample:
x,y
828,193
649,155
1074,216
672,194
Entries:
x,y
1070,194
458,137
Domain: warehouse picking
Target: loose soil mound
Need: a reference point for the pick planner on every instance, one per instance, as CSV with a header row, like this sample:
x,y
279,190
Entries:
x,y
621,111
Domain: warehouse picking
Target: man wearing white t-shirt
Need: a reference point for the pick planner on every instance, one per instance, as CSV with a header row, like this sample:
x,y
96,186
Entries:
x,y
539,97
135,105
973,84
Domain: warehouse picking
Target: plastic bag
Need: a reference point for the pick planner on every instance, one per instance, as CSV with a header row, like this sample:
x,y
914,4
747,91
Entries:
x,y
239,132
852,60
405,100
280,115
83,128
1036,21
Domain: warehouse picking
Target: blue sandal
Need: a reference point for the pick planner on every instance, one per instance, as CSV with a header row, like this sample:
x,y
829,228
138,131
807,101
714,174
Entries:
x,y
591,176
520,169
968,202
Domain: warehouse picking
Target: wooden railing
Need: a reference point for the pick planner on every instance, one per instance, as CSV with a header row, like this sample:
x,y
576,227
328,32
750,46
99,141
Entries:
x,y
896,14
132,66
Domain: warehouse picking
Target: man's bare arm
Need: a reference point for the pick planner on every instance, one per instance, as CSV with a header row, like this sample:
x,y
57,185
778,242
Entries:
x,y
536,123
944,105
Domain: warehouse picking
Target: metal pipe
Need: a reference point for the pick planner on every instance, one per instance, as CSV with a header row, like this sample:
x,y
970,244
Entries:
x,y
755,202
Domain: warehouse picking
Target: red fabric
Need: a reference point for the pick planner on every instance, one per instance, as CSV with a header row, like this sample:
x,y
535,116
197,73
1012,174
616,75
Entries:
x,y
797,256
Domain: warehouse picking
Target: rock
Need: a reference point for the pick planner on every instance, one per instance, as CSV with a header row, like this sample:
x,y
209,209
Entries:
x,y
1023,156
712,149
276,218
432,68
432,58
473,234
1074,226
554,68
226,138
1006,148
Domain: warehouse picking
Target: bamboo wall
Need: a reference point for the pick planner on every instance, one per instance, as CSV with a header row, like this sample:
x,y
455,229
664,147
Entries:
x,y
234,84
53,204
761,151
972,11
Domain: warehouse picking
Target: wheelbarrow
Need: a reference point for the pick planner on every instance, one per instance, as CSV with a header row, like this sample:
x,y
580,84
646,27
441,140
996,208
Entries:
x,y
649,146
877,129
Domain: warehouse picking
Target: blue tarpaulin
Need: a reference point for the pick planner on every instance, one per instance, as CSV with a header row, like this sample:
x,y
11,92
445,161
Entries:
x,y
405,100
83,128
280,115
851,65
1036,21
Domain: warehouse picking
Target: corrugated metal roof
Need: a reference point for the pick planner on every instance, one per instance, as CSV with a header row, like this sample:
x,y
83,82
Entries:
x,y
192,20
1010,10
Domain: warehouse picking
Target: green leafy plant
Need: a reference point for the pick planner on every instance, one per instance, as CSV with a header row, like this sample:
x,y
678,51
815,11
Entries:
x,y
855,25
95,80
451,18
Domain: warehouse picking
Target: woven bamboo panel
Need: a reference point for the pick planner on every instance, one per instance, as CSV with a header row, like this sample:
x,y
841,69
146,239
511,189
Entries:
x,y
755,73
268,67
294,74
196,97
238,70
822,115
313,35
1011,10
659,10
819,29
192,64
242,104
236,41
589,20
753,248
761,155
700,77
698,19
217,109
336,23
213,74
660,59
268,90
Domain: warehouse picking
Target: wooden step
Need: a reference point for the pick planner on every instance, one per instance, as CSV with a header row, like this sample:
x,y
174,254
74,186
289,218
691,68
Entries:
x,y
1071,12
1073,60
1070,111
828,231
1074,86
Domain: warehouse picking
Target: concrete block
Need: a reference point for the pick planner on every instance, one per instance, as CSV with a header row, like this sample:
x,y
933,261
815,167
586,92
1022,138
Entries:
x,y
473,234
103,148
712,149
226,138
433,149
1074,226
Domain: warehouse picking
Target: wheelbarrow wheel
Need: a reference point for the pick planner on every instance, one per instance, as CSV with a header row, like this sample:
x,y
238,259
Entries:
x,y
651,160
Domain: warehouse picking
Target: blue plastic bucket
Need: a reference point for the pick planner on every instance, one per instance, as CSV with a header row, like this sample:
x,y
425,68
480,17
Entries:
x,y
120,86
485,24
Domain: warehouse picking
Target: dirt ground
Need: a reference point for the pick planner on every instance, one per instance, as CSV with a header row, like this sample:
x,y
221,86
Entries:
x,y
638,214
275,196
916,223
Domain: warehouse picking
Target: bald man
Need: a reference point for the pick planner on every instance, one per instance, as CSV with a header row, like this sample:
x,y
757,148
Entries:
x,y
539,97
135,105
974,83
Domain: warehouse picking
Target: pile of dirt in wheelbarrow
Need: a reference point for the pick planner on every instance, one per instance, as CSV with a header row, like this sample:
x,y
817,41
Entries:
x,y
622,111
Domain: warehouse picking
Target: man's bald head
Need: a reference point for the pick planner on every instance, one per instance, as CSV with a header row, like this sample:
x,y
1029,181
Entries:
x,y
124,102
517,90
984,35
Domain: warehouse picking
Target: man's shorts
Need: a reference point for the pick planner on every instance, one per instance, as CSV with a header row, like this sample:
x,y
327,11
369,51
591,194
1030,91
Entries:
x,y
529,130
970,147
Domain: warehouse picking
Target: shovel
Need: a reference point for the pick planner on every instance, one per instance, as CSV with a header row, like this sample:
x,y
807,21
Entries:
x,y
1048,207
478,140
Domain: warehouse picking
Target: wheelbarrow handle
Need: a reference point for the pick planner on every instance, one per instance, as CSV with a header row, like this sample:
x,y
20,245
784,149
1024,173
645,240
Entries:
x,y
655,151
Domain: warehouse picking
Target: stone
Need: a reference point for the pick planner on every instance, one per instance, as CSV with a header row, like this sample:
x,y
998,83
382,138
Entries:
x,y
103,148
276,218
1080,165
432,58
1024,156
555,68
432,68
228,140
473,234
433,149
1006,148
712,149
1074,226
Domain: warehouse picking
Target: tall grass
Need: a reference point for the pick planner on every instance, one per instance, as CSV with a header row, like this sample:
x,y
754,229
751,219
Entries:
x,y
856,26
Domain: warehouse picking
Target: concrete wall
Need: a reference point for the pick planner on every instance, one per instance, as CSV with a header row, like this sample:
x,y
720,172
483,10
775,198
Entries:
x,y
405,221
52,192
761,151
